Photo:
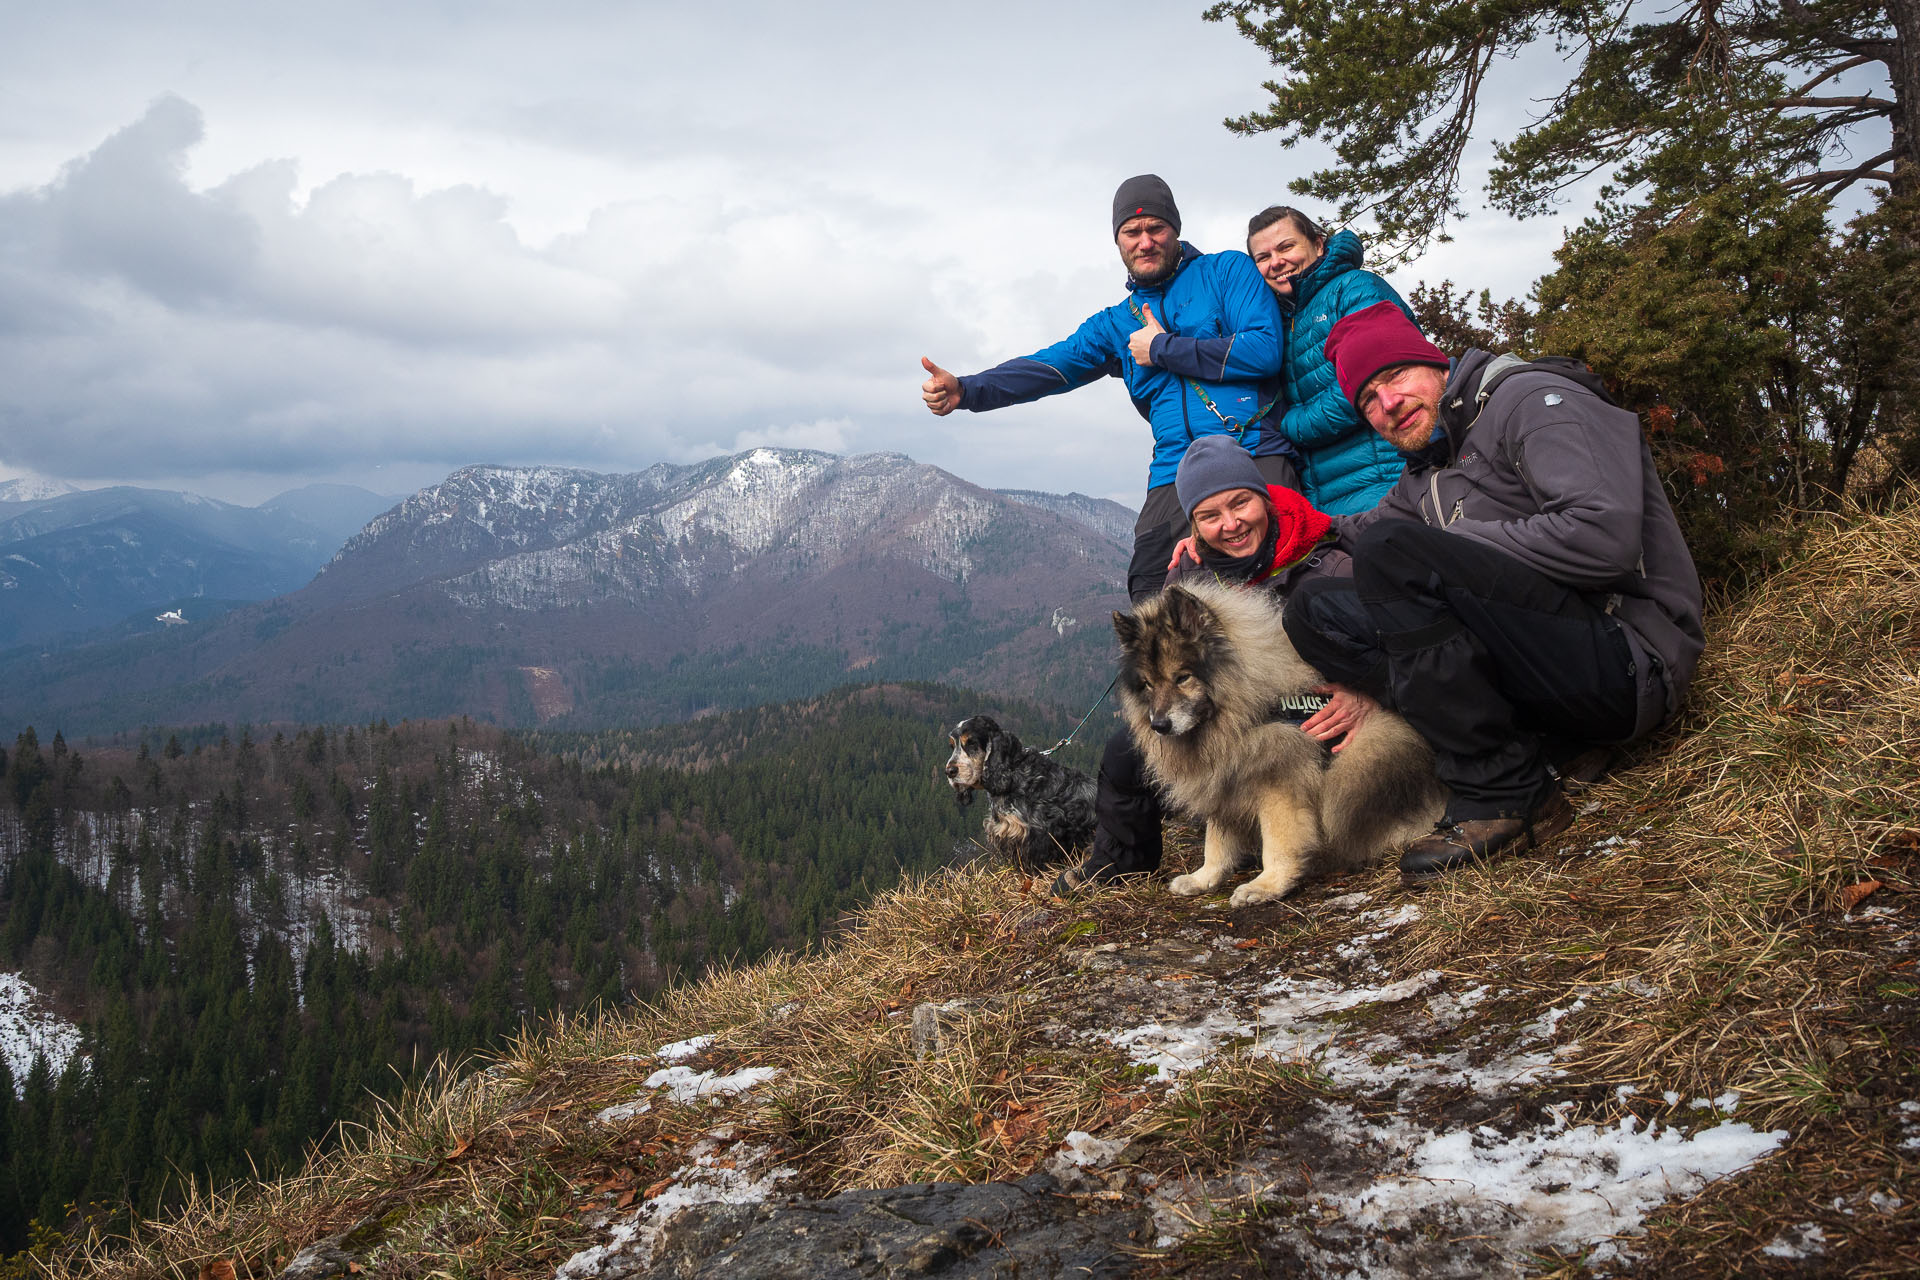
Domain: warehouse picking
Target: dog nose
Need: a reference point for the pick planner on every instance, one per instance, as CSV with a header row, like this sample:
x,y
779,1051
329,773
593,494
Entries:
x,y
1161,724
953,771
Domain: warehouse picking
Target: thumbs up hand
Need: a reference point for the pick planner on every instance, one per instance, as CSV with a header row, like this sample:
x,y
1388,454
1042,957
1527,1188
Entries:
x,y
941,391
1141,343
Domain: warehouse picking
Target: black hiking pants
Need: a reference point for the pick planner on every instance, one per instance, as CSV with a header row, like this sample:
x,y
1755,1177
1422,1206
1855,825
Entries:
x,y
1126,810
1490,660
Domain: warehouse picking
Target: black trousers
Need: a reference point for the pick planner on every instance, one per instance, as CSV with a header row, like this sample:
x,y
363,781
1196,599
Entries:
x,y
1489,659
1126,810
1162,524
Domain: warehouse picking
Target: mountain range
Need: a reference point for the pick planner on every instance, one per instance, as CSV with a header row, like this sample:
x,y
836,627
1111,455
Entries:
x,y
570,598
75,561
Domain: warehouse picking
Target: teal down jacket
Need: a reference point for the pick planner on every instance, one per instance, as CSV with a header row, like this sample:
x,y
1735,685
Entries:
x,y
1347,467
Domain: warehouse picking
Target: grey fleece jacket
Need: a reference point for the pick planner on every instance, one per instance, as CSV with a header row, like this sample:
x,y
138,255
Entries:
x,y
1556,477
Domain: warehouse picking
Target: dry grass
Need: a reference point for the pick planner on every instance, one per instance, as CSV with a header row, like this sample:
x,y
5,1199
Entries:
x,y
1713,952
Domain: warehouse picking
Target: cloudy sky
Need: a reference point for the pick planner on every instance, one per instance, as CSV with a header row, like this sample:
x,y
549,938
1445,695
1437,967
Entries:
x,y
248,246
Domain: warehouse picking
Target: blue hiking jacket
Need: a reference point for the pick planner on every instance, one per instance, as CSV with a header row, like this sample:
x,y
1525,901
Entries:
x,y
1347,467
1223,332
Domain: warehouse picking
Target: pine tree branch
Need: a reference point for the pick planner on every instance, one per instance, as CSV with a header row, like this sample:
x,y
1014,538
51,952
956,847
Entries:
x,y
1870,50
1838,68
1880,106
1839,178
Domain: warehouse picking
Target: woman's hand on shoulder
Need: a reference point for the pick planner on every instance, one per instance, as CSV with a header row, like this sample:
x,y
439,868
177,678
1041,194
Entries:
x,y
1186,550
1346,710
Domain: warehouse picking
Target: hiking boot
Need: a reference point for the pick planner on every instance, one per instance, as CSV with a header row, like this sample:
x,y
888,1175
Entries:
x,y
1585,767
1090,874
1454,844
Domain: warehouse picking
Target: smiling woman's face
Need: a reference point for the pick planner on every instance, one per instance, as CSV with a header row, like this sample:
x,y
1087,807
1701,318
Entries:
x,y
1282,251
1232,522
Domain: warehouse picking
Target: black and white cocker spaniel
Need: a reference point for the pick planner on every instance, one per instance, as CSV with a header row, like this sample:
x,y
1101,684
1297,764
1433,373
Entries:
x,y
1039,812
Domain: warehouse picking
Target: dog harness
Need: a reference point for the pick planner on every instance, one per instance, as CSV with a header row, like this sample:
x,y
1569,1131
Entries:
x,y
1296,708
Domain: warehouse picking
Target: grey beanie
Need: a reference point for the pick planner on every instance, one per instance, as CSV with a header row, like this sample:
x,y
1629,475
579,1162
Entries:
x,y
1214,464
1145,196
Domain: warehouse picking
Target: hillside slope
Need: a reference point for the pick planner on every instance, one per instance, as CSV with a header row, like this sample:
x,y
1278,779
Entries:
x,y
1683,1042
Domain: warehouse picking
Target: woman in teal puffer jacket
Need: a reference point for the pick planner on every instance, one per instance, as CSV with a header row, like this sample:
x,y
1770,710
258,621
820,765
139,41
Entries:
x,y
1318,279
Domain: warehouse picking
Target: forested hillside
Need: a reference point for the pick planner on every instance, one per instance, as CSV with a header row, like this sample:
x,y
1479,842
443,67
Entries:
x,y
260,930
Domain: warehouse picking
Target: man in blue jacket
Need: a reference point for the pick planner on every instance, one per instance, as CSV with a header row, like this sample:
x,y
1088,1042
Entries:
x,y
1198,342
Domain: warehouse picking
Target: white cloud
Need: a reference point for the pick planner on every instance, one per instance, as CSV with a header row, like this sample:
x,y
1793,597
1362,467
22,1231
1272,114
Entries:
x,y
252,243
828,434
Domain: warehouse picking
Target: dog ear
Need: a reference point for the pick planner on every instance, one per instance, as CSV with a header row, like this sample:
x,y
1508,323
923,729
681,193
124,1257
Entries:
x,y
1127,627
996,776
1189,612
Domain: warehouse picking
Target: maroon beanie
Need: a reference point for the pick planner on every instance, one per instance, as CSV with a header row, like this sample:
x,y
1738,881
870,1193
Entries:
x,y
1375,338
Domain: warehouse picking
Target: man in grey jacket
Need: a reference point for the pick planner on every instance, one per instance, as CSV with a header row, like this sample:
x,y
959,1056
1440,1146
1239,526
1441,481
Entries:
x,y
1522,591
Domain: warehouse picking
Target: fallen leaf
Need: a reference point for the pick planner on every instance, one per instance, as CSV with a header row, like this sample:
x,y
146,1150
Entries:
x,y
1119,1107
624,1199
460,1148
657,1188
218,1269
1851,896
1246,944
1019,1124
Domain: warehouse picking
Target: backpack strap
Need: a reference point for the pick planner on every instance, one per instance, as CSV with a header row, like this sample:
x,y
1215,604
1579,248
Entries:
x,y
1505,366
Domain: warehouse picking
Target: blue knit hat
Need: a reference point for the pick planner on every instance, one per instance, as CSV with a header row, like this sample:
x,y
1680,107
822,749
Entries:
x,y
1214,464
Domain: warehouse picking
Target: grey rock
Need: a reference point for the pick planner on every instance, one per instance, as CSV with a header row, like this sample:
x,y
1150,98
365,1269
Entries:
x,y
934,1026
335,1255
949,1229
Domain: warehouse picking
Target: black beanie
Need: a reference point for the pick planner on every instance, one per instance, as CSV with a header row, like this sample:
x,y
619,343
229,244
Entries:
x,y
1145,196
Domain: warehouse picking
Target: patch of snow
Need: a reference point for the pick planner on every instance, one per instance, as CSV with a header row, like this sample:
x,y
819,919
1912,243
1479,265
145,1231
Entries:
x,y
1549,1022
1910,1117
1081,1150
706,1178
1405,913
681,1050
1347,901
1175,1050
1565,1188
685,1085
1803,1240
1448,1010
28,1027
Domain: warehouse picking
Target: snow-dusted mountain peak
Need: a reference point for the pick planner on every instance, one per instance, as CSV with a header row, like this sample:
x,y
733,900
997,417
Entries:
x,y
33,489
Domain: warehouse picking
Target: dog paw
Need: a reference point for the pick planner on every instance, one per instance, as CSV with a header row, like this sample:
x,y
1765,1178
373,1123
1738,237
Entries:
x,y
1254,892
1192,884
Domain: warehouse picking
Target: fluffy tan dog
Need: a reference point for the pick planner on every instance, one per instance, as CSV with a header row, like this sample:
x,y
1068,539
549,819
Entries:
x,y
1207,679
